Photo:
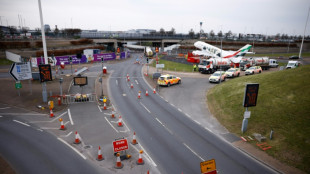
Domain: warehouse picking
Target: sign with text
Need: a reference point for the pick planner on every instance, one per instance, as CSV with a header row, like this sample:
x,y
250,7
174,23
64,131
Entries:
x,y
120,145
80,81
160,65
45,73
250,95
21,71
208,167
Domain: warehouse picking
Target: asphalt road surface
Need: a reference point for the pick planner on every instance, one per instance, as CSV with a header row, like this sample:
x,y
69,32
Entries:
x,y
175,142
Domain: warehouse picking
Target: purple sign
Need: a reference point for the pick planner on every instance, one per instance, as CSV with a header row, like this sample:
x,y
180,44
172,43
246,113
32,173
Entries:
x,y
106,56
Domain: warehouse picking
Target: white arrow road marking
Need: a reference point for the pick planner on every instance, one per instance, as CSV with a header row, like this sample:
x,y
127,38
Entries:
x,y
72,148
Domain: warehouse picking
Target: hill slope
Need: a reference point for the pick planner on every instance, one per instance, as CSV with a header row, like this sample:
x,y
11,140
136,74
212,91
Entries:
x,y
283,105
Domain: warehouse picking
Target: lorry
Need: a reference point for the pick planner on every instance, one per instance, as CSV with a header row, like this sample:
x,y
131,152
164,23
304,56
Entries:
x,y
264,62
213,64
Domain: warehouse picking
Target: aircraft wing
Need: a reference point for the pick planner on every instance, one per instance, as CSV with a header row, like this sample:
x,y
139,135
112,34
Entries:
x,y
203,53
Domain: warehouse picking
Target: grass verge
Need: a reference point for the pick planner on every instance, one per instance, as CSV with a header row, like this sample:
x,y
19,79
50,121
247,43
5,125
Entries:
x,y
5,62
282,105
276,55
173,66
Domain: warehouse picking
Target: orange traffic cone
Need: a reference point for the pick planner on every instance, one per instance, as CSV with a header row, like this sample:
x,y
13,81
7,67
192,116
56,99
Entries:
x,y
77,138
134,140
120,123
100,157
128,78
146,93
148,172
104,106
62,126
112,115
140,160
139,95
51,113
154,91
118,164
131,86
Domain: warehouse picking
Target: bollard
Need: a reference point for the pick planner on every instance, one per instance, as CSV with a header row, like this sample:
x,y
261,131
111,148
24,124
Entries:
x,y
271,134
59,101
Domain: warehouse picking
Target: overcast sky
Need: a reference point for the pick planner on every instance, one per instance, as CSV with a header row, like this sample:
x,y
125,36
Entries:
x,y
240,16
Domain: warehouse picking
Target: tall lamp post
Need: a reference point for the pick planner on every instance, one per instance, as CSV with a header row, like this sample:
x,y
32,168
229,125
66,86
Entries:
x,y
303,37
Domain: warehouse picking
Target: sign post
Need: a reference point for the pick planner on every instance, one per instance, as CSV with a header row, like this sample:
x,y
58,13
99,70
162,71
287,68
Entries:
x,y
21,71
249,100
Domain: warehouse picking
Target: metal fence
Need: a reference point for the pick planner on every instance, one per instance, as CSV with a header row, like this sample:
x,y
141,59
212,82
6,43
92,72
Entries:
x,y
73,98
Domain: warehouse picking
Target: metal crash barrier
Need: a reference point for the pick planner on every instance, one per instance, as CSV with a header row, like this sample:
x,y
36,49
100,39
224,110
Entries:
x,y
78,98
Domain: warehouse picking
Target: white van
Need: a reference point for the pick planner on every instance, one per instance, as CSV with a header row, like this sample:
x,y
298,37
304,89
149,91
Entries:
x,y
273,63
292,64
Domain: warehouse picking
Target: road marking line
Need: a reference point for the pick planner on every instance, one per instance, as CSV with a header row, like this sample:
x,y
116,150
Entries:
x,y
107,114
50,120
21,123
24,114
136,82
67,122
197,122
145,108
69,113
67,134
159,121
5,108
123,131
193,151
116,82
187,115
111,124
149,157
208,129
40,130
171,104
49,128
1,116
126,126
72,148
179,109
99,108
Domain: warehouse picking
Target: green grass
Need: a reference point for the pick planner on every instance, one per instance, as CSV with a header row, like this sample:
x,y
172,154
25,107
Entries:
x,y
283,105
5,62
173,66
276,55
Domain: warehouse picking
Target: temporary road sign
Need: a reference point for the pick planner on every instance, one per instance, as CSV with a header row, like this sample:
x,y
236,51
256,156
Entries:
x,y
208,167
21,71
120,145
45,73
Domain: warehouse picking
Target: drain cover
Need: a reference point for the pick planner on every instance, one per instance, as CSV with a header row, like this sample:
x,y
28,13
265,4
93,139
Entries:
x,y
88,147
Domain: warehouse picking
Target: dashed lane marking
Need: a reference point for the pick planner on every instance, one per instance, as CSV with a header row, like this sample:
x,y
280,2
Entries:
x,y
193,152
197,122
179,109
145,108
111,124
25,124
72,148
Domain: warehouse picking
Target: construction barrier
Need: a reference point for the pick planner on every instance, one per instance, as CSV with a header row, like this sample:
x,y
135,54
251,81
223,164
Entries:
x,y
74,98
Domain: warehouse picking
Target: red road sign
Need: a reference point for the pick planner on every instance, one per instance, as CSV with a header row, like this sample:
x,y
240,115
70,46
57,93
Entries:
x,y
120,145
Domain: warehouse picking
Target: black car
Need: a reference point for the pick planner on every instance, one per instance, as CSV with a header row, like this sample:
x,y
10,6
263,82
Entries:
x,y
294,57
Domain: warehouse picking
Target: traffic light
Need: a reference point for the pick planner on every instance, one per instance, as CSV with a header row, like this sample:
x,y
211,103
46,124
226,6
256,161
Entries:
x,y
70,59
156,49
147,60
118,50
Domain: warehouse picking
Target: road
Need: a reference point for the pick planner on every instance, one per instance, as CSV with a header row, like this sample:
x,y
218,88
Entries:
x,y
175,142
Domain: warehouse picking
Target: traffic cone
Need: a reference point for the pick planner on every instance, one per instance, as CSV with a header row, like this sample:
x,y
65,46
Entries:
x,y
120,123
154,91
140,160
112,115
127,75
118,164
62,126
128,78
139,95
148,172
131,86
77,138
51,113
100,157
134,140
146,93
104,106
75,70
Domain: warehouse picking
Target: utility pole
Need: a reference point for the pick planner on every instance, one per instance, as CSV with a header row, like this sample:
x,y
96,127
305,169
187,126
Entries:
x,y
303,37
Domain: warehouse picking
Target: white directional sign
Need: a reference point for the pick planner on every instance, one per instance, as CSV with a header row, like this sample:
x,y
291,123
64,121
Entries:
x,y
160,65
21,71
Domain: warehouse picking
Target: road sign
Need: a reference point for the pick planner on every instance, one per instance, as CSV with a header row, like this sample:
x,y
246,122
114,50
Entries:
x,y
18,85
45,73
80,81
250,95
208,167
21,71
120,145
160,65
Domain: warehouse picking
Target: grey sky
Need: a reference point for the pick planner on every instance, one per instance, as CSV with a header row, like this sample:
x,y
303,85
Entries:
x,y
240,16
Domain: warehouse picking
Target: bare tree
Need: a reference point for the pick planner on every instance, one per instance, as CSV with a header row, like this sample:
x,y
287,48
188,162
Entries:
x,y
191,33
12,30
220,33
212,34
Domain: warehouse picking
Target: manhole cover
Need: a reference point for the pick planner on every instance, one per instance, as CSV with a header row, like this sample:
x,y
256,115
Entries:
x,y
88,147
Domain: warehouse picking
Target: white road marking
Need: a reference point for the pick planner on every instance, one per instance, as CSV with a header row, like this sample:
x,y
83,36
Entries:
x,y
1,116
5,108
193,151
50,120
126,125
148,156
99,108
111,125
123,131
40,130
187,115
124,95
67,134
24,114
116,82
171,104
72,148
159,121
21,123
107,114
136,82
197,122
145,108
179,109
69,113
208,129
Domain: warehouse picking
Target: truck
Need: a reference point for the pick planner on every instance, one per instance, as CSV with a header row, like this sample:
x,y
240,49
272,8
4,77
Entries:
x,y
263,62
213,64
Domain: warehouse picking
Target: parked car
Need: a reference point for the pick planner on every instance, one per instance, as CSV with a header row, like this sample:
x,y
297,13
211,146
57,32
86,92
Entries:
x,y
217,77
233,72
168,80
253,70
294,57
